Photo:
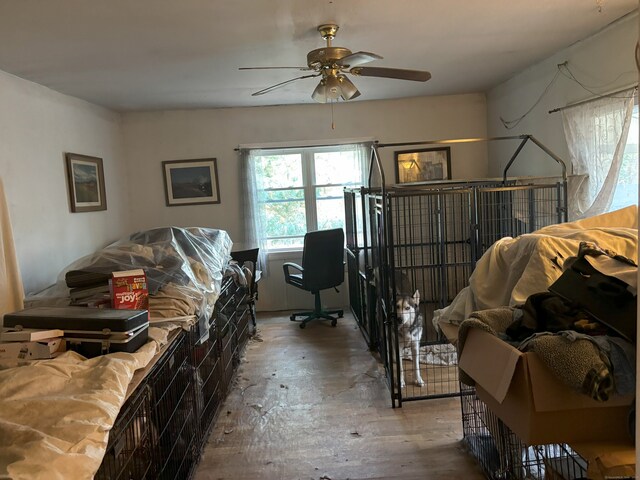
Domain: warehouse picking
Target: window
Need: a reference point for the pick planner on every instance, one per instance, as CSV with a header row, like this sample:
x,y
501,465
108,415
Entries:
x,y
301,189
597,131
626,192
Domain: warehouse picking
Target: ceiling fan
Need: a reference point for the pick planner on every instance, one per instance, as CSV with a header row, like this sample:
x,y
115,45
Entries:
x,y
332,63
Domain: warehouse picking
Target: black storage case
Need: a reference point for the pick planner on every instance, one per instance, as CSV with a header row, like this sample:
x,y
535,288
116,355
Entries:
x,y
89,331
606,298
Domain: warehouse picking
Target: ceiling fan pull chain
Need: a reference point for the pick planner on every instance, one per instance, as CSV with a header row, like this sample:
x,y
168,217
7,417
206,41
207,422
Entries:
x,y
333,125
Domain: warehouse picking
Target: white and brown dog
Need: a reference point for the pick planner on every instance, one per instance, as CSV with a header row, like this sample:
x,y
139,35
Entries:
x,y
409,328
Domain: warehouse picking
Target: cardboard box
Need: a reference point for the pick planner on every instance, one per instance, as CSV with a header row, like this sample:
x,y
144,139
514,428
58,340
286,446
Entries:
x,y
608,460
26,351
532,402
129,290
28,334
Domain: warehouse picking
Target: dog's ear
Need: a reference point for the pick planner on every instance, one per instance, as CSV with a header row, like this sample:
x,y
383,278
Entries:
x,y
416,297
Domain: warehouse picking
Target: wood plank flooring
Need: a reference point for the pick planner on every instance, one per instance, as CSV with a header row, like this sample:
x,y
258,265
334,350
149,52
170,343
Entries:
x,y
313,404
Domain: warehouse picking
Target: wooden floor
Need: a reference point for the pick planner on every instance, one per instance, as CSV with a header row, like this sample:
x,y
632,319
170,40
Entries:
x,y
313,404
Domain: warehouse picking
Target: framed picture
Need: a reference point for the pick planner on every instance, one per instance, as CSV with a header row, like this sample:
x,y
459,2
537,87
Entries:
x,y
424,165
191,182
86,183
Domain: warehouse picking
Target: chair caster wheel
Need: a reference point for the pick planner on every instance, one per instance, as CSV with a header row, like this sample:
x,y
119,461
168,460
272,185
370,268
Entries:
x,y
334,323
302,325
292,318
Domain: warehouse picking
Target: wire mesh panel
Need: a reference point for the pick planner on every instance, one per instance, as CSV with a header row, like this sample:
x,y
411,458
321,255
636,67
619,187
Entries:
x,y
560,462
430,237
503,456
242,328
174,412
208,378
512,211
430,257
129,453
362,298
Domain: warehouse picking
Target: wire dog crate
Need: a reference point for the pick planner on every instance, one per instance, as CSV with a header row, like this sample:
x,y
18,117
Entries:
x,y
432,234
174,412
129,452
503,456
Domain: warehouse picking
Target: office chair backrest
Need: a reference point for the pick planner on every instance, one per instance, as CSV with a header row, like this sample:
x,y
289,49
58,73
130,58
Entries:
x,y
251,255
323,259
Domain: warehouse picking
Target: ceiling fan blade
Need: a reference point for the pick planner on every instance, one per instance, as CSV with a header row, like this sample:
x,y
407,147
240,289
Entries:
x,y
274,68
277,85
358,58
399,73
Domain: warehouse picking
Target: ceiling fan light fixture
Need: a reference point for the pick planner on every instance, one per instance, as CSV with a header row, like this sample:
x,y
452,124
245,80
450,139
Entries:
x,y
320,92
331,63
333,89
347,88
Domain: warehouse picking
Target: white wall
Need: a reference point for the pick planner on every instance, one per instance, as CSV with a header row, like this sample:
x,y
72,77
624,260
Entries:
x,y
153,137
605,59
37,126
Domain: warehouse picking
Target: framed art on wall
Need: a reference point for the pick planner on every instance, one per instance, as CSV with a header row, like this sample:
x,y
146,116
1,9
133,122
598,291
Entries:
x,y
191,182
423,165
85,177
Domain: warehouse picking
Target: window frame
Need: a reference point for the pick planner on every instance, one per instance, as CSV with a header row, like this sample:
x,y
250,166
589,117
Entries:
x,y
309,186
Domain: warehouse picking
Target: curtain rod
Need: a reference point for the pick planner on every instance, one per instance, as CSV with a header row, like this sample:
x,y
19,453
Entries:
x,y
301,144
593,99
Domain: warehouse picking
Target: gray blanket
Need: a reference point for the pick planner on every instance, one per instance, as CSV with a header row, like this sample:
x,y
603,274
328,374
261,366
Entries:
x,y
576,361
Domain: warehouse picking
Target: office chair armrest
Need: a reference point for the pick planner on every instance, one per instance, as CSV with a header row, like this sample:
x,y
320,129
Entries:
x,y
287,265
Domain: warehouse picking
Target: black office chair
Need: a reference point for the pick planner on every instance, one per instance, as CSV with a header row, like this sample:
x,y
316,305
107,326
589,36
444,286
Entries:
x,y
322,268
250,258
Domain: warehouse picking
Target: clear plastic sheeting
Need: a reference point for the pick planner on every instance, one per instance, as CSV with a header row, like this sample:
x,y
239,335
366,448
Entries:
x,y
184,269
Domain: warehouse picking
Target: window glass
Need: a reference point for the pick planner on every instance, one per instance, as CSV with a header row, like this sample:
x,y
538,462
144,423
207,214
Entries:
x,y
337,168
330,205
301,190
627,187
284,213
280,171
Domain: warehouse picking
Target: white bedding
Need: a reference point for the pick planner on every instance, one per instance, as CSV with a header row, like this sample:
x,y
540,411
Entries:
x,y
55,415
515,268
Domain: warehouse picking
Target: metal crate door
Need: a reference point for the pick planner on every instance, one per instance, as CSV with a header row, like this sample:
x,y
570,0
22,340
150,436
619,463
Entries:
x,y
430,237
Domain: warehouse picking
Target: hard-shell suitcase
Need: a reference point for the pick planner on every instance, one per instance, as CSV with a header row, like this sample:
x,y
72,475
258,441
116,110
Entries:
x,y
88,331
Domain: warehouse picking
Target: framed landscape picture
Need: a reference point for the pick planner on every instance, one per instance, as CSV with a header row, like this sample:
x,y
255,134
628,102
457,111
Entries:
x,y
86,183
424,165
191,182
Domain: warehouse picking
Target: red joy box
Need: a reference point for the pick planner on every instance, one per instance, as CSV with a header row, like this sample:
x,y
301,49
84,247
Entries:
x,y
129,290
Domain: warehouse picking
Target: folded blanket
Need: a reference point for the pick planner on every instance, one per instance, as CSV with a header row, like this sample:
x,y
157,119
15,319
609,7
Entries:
x,y
575,361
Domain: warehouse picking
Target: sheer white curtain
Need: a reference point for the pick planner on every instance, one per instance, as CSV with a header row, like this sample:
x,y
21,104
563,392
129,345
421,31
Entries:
x,y
596,134
252,189
253,228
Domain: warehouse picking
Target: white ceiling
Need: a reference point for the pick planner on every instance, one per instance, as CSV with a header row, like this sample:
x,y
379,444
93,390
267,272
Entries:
x,y
165,54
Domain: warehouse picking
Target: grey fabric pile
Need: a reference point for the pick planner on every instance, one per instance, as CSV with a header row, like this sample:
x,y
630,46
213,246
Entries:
x,y
597,366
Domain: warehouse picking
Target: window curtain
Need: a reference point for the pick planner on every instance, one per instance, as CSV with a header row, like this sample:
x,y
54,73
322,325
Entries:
x,y
11,290
363,150
596,134
254,229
